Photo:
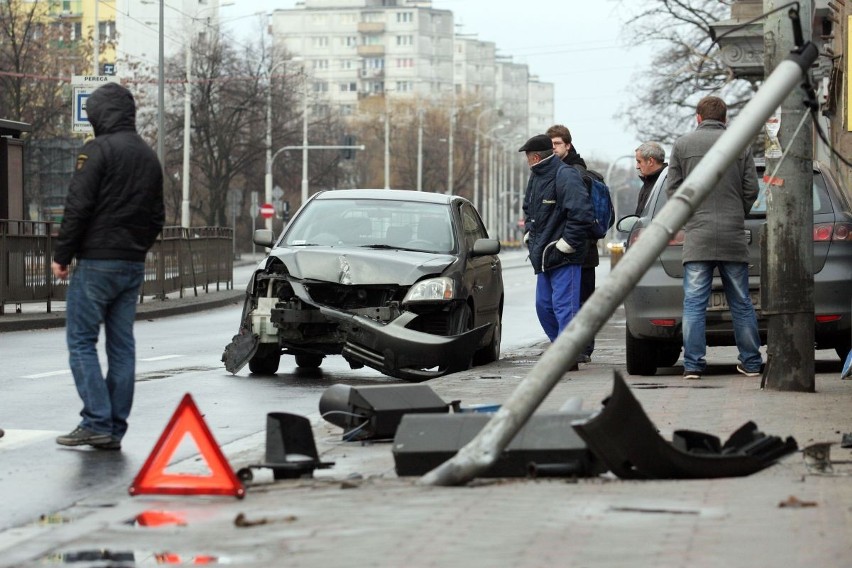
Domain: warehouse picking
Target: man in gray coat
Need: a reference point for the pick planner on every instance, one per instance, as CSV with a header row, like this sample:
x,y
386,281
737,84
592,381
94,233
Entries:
x,y
715,240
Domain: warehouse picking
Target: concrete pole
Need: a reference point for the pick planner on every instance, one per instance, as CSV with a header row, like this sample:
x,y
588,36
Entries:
x,y
476,172
161,93
187,138
450,166
304,138
420,149
96,43
787,280
267,179
480,453
387,141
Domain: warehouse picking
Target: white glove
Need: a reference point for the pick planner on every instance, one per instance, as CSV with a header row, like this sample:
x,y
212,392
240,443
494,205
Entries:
x,y
564,247
526,237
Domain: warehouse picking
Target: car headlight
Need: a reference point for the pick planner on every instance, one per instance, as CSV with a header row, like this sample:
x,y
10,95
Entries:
x,y
431,290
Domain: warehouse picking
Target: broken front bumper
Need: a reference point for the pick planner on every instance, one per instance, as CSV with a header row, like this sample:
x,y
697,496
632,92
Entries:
x,y
396,350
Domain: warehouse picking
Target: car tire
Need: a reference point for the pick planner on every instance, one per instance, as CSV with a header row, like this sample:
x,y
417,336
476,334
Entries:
x,y
266,360
491,352
667,354
308,360
641,355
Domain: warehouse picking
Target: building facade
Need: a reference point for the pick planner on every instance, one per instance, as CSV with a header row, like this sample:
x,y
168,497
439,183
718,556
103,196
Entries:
x,y
356,49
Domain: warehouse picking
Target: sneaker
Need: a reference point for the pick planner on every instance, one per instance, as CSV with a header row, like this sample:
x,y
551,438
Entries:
x,y
692,375
113,444
83,436
742,371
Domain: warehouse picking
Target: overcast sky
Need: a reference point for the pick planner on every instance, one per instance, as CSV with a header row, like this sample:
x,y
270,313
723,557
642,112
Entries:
x,y
574,44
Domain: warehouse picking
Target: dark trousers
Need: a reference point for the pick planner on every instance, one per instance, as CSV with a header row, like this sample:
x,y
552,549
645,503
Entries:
x,y
587,286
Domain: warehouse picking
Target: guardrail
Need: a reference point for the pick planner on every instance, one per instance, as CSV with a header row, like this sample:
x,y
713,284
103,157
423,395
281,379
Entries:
x,y
181,260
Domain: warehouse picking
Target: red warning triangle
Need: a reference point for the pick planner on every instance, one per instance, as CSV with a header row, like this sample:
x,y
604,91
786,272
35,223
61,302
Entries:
x,y
187,421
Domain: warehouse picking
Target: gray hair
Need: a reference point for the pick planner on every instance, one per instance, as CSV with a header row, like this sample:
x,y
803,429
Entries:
x,y
652,150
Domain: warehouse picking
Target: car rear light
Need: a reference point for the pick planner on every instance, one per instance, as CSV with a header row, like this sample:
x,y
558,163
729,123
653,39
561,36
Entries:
x,y
663,322
825,232
828,318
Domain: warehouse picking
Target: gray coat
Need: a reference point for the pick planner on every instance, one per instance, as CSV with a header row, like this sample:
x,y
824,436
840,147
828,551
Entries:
x,y
715,230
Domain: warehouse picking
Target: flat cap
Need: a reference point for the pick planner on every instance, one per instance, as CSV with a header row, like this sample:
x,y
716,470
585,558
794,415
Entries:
x,y
537,143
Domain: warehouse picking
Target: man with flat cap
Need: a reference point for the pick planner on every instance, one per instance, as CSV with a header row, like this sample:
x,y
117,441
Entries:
x,y
557,219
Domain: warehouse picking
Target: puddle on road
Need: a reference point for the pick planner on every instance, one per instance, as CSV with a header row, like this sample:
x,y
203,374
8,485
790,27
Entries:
x,y
136,559
167,373
649,386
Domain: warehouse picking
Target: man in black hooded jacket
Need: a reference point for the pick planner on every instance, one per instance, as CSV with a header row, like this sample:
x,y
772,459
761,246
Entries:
x,y
113,214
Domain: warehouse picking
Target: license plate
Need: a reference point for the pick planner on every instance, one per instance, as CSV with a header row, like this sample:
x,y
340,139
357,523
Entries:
x,y
718,302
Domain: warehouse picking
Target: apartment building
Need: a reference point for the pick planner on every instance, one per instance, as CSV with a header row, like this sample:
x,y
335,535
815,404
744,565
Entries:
x,y
355,49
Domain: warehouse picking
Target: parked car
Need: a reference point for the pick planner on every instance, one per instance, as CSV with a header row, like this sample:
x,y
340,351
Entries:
x,y
405,282
654,308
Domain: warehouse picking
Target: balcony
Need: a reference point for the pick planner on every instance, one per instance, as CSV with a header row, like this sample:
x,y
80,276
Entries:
x,y
371,50
371,27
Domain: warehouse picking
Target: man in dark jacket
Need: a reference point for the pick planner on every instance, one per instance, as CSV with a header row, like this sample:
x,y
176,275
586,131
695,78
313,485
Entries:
x,y
564,148
113,214
714,240
557,217
650,161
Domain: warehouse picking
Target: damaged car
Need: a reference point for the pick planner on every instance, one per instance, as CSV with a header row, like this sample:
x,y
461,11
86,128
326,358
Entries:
x,y
405,282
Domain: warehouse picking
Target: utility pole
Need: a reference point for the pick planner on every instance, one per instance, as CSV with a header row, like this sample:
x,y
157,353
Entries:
x,y
787,280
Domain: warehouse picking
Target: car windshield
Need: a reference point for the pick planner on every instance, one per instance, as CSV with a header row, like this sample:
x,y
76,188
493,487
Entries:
x,y
373,223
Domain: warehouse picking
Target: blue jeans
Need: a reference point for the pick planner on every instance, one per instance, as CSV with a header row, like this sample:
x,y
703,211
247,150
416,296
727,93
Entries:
x,y
103,291
557,298
697,282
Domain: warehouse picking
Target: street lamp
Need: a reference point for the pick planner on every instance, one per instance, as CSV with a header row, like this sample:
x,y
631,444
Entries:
x,y
476,154
269,158
609,170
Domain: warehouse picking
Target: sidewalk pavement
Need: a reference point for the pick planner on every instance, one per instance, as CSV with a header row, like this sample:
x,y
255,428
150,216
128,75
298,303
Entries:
x,y
359,513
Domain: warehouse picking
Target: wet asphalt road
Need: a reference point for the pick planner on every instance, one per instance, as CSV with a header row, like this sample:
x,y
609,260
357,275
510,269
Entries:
x,y
175,356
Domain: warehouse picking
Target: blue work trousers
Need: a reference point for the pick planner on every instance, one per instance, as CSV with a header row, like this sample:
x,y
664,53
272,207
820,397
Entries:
x,y
557,298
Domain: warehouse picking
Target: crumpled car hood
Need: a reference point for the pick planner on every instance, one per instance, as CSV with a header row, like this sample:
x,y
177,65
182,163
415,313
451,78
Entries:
x,y
361,266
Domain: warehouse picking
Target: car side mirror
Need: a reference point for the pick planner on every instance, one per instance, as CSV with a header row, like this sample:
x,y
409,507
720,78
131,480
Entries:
x,y
625,224
264,238
485,247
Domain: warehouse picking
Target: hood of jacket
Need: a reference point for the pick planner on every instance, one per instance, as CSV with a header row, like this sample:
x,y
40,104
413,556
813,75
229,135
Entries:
x,y
111,108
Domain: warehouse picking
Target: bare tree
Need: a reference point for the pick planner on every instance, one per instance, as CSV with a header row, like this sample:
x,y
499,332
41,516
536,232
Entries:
x,y
684,68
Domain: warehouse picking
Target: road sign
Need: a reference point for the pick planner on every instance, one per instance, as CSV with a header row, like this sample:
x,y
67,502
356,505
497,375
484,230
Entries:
x,y
267,211
81,87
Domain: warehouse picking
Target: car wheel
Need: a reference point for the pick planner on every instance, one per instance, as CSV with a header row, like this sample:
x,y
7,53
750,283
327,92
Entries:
x,y
491,352
667,354
265,360
308,360
842,351
641,355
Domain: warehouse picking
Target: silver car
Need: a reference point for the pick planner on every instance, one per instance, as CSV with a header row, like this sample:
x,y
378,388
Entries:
x,y
654,309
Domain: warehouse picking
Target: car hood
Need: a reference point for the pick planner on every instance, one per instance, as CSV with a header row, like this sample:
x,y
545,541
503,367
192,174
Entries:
x,y
361,266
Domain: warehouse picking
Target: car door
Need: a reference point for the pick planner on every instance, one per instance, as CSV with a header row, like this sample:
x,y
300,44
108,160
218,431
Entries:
x,y
483,273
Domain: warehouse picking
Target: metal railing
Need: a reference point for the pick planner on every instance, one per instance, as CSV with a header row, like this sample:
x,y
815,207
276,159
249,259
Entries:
x,y
181,260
